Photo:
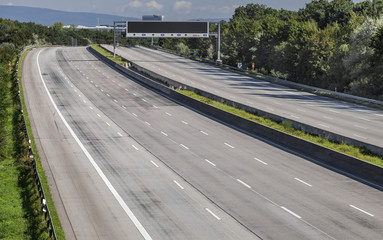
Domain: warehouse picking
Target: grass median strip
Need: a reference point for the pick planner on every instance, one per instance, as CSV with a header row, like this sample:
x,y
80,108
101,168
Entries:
x,y
360,153
109,55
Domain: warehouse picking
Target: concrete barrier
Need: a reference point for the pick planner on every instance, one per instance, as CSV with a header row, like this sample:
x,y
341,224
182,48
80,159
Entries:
x,y
344,164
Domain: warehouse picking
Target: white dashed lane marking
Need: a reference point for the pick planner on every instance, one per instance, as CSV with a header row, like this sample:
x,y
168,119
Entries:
x,y
210,163
155,164
164,134
179,185
291,212
243,183
204,133
303,182
184,146
135,147
261,161
214,215
361,210
230,146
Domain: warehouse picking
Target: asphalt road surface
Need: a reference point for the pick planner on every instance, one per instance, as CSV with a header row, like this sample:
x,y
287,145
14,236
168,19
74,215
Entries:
x,y
351,120
124,162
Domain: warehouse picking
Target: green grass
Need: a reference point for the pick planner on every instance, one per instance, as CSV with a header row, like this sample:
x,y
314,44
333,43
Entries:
x,y
109,55
360,153
55,219
20,209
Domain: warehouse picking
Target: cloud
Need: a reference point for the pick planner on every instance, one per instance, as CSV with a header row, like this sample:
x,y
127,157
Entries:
x,y
220,9
182,7
10,4
154,5
135,4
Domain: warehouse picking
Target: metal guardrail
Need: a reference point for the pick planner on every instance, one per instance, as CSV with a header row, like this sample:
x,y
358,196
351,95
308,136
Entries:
x,y
45,209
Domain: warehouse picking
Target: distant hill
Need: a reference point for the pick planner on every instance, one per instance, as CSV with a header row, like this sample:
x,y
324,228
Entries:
x,y
48,17
211,19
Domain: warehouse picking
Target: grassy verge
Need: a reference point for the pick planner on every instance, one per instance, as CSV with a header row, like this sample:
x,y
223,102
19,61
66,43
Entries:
x,y
55,219
360,153
20,209
109,55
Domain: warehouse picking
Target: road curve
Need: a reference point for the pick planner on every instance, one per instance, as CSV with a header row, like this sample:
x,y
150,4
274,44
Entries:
x,y
182,174
346,119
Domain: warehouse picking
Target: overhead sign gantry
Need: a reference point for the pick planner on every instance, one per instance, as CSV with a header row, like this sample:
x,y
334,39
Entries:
x,y
157,28
167,29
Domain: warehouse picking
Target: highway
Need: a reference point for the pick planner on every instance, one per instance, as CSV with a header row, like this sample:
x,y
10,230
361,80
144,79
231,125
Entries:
x,y
347,119
124,162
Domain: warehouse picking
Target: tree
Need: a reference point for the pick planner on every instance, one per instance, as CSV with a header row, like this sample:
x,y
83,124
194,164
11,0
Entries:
x,y
7,51
377,63
340,11
317,11
358,61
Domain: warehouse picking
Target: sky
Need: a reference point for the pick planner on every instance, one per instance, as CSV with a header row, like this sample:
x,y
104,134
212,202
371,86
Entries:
x,y
171,9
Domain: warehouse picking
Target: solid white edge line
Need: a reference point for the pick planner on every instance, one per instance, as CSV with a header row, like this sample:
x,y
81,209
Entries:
x,y
303,182
261,161
124,206
155,164
210,162
361,210
179,185
207,209
243,183
291,212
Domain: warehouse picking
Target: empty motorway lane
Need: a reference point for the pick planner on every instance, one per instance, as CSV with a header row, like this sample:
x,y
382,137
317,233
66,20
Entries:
x,y
351,120
126,163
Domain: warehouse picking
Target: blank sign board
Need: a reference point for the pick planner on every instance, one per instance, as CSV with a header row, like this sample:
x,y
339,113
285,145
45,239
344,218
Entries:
x,y
142,29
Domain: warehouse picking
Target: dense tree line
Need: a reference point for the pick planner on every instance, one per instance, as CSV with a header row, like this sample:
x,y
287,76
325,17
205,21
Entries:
x,y
329,44
21,34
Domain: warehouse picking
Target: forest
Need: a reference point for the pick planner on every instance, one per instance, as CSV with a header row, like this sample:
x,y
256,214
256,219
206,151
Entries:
x,y
336,45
